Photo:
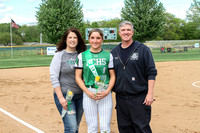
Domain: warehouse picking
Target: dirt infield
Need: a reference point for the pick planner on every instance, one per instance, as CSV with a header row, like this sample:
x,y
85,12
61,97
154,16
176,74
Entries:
x,y
27,94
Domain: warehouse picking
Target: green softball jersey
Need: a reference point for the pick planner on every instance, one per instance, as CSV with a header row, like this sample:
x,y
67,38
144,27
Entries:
x,y
103,61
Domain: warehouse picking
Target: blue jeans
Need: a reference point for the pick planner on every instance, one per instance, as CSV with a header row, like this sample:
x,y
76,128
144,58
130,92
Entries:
x,y
71,121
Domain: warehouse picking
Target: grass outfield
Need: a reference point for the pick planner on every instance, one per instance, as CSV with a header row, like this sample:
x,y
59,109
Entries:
x,y
191,54
45,60
26,61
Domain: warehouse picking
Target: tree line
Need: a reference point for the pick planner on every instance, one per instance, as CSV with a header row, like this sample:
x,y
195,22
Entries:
x,y
150,19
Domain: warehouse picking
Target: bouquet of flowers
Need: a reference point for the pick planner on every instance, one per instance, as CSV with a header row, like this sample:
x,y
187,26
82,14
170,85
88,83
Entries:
x,y
100,83
69,97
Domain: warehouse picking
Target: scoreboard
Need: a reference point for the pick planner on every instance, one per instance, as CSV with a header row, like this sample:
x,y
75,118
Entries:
x,y
109,33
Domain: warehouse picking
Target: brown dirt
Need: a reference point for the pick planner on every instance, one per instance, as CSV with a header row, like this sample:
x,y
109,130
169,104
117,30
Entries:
x,y
27,94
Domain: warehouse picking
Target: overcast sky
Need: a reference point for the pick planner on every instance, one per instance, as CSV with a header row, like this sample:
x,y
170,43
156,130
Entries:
x,y
24,11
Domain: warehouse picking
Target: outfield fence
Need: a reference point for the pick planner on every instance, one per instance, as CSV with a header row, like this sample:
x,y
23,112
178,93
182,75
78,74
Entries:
x,y
17,51
5,52
34,56
24,51
173,42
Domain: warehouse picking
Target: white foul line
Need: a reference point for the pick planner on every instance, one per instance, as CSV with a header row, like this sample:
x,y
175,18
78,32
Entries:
x,y
196,85
21,121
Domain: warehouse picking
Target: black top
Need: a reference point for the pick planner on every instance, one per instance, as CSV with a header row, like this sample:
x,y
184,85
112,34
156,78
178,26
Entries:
x,y
125,52
133,75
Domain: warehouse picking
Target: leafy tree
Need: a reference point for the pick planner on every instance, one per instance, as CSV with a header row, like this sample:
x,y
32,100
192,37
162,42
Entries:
x,y
112,23
4,27
17,39
190,31
5,35
194,12
172,29
5,39
55,16
193,15
147,17
95,25
30,33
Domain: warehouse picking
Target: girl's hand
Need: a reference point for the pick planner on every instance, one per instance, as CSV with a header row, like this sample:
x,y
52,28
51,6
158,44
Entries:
x,y
91,95
101,95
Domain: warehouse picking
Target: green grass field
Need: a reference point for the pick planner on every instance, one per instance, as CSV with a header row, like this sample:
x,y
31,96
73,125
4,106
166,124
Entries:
x,y
191,54
26,61
34,60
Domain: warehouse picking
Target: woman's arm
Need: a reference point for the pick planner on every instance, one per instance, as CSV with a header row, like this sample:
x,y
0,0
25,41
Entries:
x,y
61,99
54,77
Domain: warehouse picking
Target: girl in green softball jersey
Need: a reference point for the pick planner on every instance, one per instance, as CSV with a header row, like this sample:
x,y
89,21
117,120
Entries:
x,y
95,62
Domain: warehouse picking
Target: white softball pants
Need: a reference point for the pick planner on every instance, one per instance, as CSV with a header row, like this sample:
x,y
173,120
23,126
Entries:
x,y
91,110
